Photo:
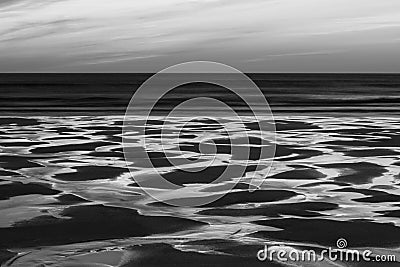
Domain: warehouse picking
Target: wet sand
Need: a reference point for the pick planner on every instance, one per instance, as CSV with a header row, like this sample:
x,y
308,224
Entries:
x,y
68,199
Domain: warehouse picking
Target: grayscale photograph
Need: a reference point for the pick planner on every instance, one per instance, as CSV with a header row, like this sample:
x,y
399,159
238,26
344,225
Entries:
x,y
199,133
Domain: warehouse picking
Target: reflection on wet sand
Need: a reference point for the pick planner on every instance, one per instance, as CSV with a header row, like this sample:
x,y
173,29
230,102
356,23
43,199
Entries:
x,y
67,197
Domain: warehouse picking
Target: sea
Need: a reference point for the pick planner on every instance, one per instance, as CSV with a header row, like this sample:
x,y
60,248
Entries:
x,y
70,196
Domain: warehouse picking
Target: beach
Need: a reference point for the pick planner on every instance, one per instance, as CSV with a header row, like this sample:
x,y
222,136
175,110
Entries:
x,y
68,198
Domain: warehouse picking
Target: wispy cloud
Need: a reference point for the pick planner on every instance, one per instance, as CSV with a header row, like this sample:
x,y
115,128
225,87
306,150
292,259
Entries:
x,y
117,58
90,33
295,54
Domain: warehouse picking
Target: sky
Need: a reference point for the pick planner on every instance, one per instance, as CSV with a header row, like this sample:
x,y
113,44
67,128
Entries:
x,y
149,35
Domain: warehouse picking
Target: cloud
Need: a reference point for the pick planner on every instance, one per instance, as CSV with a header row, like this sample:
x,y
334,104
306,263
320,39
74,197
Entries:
x,y
117,58
94,34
